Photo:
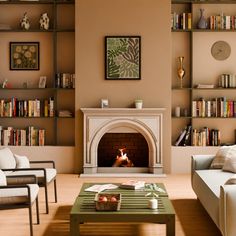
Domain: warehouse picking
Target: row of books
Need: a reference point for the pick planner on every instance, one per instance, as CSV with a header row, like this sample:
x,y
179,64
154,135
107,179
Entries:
x,y
27,108
198,137
181,21
218,107
206,137
227,81
65,80
222,22
30,136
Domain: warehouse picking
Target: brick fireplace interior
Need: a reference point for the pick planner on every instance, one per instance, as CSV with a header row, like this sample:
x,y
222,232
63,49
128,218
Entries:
x,y
134,145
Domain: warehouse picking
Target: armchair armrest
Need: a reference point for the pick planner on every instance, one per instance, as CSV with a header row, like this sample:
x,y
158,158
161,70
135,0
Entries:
x,y
44,162
21,179
228,209
201,162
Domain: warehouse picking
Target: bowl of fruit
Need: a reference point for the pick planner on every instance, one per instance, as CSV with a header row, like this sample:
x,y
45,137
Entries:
x,y
107,201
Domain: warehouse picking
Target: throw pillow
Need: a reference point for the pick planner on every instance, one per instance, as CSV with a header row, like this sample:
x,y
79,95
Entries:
x,y
222,154
230,164
7,160
231,180
3,180
22,161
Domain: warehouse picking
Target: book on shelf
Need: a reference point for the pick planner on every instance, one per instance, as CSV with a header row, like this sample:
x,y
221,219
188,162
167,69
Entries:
x,y
184,137
65,113
133,184
205,86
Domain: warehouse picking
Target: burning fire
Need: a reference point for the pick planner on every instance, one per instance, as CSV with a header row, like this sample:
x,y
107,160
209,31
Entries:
x,y
122,160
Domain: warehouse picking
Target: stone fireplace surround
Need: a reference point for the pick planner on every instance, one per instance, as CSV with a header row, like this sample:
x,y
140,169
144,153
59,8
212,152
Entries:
x,y
99,121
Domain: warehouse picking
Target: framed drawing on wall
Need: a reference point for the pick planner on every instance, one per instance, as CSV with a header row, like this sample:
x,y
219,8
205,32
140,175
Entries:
x,y
122,57
24,55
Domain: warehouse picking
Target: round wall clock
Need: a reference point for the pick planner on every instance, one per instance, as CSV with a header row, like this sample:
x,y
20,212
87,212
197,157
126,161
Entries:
x,y
220,50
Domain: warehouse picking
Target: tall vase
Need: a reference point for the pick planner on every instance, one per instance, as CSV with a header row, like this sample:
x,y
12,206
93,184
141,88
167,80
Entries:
x,y
181,71
202,22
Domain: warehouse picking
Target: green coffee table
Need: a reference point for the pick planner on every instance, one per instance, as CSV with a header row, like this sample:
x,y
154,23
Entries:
x,y
133,209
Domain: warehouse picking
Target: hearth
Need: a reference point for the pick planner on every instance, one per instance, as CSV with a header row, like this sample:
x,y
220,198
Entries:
x,y
122,140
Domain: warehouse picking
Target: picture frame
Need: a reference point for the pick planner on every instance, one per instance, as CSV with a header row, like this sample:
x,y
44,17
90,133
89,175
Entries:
x,y
122,57
42,81
24,55
104,103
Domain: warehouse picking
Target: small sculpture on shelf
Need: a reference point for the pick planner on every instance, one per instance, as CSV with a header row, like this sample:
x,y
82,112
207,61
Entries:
x,y
181,71
44,21
25,23
202,22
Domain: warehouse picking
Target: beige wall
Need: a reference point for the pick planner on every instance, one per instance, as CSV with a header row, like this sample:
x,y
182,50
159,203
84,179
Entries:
x,y
151,20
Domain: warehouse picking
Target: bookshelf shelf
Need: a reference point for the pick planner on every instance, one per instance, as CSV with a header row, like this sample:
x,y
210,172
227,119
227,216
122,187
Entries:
x,y
200,67
57,63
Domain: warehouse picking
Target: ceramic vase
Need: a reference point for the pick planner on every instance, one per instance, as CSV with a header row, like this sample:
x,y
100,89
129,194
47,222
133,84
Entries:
x,y
181,71
202,22
153,203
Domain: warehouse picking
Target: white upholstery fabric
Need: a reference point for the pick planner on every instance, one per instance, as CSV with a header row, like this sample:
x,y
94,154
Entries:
x,y
3,180
7,160
230,164
21,161
18,195
51,174
231,180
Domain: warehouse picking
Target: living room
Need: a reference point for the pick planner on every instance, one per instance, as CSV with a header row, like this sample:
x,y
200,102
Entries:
x,y
75,45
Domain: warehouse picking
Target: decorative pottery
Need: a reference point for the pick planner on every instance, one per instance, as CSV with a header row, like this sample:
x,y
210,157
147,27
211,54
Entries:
x,y
44,21
202,22
181,71
25,23
153,203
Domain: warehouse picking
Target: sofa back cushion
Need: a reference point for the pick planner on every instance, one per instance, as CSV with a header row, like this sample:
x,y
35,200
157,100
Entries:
x,y
7,160
225,152
3,180
21,161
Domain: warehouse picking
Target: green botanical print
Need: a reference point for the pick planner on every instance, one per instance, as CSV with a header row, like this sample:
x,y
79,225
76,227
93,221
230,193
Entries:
x,y
123,58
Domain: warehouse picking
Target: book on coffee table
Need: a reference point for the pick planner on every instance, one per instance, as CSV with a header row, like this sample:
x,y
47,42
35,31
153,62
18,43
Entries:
x,y
133,184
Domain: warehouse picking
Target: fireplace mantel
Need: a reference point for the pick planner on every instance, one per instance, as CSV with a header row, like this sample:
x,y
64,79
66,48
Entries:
x,y
98,121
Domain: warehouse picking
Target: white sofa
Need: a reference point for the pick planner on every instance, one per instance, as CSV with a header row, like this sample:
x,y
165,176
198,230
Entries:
x,y
218,198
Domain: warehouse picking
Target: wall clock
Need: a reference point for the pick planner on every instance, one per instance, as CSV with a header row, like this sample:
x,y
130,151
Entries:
x,y
220,50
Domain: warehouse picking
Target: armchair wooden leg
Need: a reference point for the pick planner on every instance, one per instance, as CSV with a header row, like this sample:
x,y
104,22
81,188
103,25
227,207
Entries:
x,y
46,199
37,210
30,220
55,189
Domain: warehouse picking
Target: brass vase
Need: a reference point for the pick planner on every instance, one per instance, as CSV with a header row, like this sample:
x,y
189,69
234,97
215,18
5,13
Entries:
x,y
181,71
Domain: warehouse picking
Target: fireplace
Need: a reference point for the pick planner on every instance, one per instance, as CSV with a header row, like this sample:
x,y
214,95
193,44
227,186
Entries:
x,y
122,140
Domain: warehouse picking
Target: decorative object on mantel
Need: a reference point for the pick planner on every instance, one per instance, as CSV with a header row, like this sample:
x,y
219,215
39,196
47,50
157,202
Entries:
x,y
138,103
104,103
202,22
44,21
181,71
25,23
122,57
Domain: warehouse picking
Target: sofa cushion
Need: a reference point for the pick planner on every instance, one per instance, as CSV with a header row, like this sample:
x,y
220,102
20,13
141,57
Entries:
x,y
3,181
21,161
222,154
18,195
7,160
231,180
230,164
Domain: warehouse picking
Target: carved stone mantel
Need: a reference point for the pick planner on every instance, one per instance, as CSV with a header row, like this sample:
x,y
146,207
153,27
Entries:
x,y
98,121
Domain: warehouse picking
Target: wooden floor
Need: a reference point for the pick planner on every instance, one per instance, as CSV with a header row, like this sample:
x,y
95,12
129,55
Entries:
x,y
191,218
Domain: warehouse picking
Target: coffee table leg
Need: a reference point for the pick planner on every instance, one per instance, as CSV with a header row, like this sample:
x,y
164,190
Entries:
x,y
74,225
170,227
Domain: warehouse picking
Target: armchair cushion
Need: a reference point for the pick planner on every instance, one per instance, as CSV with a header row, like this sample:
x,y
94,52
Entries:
x,y
22,161
7,160
50,172
3,181
230,164
18,195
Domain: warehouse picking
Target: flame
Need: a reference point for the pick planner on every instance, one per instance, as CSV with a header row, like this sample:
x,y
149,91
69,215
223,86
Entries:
x,y
122,160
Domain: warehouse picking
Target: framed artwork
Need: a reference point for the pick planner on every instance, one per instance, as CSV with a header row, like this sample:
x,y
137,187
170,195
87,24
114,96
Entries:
x,y
24,55
122,57
42,81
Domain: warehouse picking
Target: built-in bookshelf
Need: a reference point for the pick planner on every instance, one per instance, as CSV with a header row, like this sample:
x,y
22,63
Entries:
x,y
33,114
207,98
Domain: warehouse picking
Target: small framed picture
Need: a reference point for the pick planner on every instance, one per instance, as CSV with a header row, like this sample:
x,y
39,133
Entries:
x,y
104,103
24,55
42,81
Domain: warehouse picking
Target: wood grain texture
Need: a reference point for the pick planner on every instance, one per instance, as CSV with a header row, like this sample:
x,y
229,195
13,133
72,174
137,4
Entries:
x,y
191,218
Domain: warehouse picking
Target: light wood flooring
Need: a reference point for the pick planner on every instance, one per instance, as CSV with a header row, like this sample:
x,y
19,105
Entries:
x,y
191,218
